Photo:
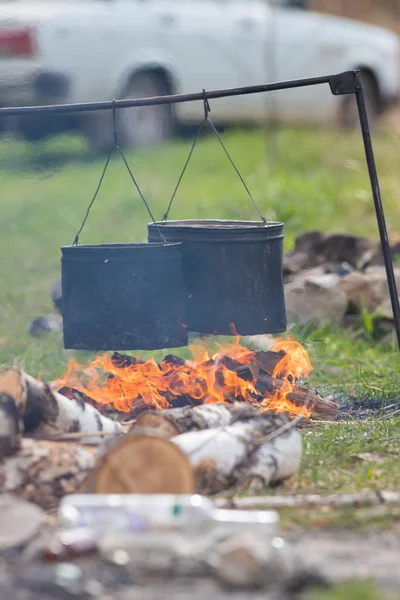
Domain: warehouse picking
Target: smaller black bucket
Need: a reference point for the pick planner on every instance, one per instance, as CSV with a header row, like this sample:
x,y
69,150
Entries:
x,y
233,274
123,297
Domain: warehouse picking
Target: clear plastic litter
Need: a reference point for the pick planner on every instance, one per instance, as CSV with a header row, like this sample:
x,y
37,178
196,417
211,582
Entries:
x,y
190,515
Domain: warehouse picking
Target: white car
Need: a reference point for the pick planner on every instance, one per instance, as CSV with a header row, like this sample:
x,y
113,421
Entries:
x,y
90,50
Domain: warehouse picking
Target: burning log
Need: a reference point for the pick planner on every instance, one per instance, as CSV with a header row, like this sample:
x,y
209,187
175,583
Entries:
x,y
269,380
46,412
122,361
138,407
320,408
142,465
81,398
253,453
43,472
179,420
266,362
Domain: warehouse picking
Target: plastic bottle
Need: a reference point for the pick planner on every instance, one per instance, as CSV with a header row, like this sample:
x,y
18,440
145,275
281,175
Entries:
x,y
190,515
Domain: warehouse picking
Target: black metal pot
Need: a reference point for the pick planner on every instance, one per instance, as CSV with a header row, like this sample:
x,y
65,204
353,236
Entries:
x,y
233,273
123,297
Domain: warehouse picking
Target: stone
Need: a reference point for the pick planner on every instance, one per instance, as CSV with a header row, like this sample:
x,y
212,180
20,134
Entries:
x,y
385,310
56,295
307,274
308,242
339,248
310,302
20,522
294,262
378,278
314,248
328,280
361,292
377,256
52,323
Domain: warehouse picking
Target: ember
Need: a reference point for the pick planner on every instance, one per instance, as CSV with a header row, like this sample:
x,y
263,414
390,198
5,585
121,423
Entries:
x,y
234,373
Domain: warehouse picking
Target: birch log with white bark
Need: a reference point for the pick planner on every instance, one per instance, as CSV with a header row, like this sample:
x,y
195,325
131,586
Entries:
x,y
243,454
44,472
175,421
10,425
45,412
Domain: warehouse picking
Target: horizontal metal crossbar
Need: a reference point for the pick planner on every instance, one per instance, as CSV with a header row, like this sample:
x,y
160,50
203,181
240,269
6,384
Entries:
x,y
338,84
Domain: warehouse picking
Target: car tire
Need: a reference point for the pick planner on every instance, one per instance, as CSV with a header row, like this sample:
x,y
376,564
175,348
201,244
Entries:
x,y
349,118
141,127
33,129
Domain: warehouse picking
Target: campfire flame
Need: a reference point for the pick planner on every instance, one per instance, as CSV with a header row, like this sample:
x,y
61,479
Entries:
x,y
294,365
121,381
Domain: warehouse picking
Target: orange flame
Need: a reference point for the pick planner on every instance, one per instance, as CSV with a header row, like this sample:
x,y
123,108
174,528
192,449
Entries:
x,y
293,365
204,379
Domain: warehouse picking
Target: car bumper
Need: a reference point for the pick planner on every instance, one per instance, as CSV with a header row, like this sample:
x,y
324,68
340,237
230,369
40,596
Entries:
x,y
33,89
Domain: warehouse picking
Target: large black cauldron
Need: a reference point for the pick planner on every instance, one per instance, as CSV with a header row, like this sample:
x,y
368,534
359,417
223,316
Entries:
x,y
123,297
233,274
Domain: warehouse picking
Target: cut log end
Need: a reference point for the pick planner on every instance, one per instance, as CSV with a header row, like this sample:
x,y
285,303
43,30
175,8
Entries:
x,y
143,465
156,421
13,384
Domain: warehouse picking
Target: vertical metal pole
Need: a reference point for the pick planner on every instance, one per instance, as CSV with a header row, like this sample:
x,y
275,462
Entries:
x,y
380,215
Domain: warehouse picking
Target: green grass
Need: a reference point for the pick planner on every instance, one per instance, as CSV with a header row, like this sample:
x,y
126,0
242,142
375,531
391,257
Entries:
x,y
316,180
351,591
352,460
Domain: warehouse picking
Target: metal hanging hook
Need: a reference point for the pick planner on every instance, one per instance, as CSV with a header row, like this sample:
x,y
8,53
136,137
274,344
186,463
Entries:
x,y
207,108
208,122
116,148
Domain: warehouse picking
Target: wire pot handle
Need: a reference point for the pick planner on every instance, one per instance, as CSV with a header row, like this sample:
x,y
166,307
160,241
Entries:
x,y
116,148
208,121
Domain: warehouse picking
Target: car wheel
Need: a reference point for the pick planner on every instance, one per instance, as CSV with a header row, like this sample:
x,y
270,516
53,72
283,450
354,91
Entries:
x,y
140,127
33,129
349,112
146,125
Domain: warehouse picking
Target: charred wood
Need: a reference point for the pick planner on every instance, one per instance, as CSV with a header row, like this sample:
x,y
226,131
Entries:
x,y
321,408
123,361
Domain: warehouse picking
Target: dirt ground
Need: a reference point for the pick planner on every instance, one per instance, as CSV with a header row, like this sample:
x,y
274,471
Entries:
x,y
337,555
342,555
